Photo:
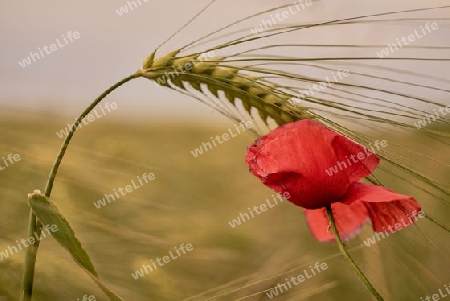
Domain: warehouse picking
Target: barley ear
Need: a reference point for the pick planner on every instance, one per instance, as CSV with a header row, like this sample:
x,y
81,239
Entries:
x,y
149,61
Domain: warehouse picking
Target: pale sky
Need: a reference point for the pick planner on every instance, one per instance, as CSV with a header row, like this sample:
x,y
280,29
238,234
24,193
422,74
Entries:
x,y
111,47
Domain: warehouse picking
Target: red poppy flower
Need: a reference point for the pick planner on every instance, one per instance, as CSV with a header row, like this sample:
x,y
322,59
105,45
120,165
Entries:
x,y
319,167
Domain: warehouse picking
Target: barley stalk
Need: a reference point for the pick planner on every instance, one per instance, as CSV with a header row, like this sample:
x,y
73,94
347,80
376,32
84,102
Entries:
x,y
258,89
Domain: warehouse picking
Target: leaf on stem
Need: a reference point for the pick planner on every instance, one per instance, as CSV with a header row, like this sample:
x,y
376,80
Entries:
x,y
49,215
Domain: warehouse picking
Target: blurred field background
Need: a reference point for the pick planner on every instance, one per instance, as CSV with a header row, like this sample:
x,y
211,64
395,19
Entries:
x,y
191,201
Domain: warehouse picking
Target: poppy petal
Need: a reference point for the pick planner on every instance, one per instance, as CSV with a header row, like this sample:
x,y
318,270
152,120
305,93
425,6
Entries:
x,y
355,160
294,158
393,216
349,221
387,209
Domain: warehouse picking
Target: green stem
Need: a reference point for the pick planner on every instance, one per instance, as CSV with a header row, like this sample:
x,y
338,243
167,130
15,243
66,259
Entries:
x,y
344,252
62,151
30,258
34,225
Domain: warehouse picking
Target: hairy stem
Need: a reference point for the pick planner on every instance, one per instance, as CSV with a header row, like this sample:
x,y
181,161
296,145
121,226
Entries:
x,y
34,225
344,252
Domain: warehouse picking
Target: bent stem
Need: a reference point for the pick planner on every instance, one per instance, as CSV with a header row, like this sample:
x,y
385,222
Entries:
x,y
34,225
344,252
